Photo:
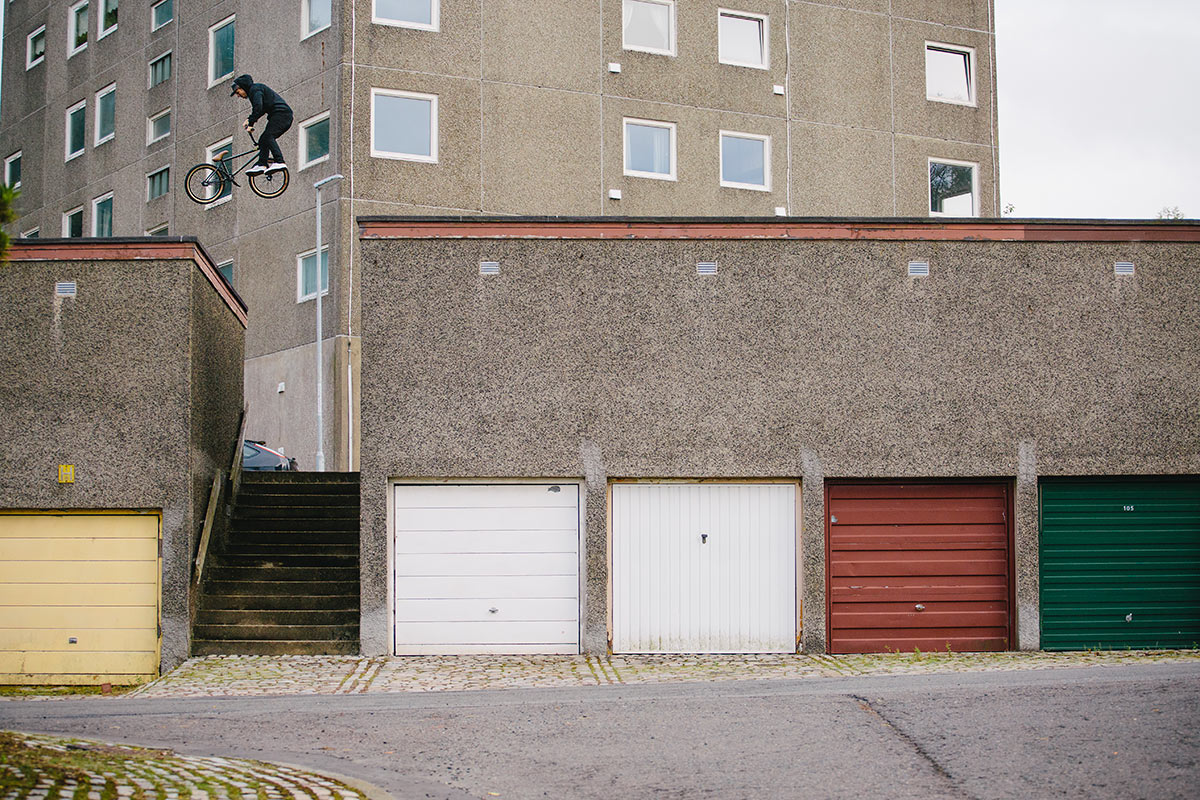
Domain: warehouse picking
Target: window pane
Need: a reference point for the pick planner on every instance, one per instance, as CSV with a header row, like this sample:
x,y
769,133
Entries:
x,y
160,183
647,148
308,278
164,12
77,121
320,12
37,46
222,54
227,271
647,25
12,171
104,211
951,189
418,12
163,231
106,120
221,153
403,125
743,160
80,20
109,19
160,70
160,126
75,224
741,40
316,141
947,75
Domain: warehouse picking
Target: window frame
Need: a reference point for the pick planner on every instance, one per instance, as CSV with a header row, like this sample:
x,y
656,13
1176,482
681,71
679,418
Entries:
x,y
101,31
32,233
151,197
766,140
73,31
96,201
764,21
168,54
150,137
8,161
164,227
653,123
111,89
30,61
305,10
71,155
303,139
212,29
960,49
154,7
672,29
208,158
66,222
435,17
304,298
434,150
974,187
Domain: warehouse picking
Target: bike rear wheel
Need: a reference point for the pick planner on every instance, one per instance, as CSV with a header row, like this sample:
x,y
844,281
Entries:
x,y
269,184
205,183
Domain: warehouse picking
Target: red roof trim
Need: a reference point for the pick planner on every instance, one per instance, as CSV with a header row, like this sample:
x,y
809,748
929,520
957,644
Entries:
x,y
882,230
135,250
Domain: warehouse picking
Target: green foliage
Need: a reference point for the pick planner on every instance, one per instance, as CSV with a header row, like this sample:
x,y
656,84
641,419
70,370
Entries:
x,y
8,213
1170,212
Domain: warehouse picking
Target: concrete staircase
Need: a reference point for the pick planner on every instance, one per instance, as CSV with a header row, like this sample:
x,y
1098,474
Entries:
x,y
286,581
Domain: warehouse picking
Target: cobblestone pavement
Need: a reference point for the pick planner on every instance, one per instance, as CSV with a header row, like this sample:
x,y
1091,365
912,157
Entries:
x,y
262,675
35,767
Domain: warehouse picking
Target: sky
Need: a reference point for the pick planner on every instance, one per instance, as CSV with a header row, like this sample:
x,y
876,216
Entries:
x,y
1099,107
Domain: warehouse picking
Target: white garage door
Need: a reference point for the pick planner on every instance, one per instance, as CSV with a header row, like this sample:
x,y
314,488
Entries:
x,y
487,568
704,568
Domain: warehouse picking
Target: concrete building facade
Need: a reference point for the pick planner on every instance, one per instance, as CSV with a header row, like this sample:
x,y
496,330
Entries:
x,y
617,107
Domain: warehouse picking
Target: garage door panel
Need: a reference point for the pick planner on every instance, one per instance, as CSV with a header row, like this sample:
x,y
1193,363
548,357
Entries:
x,y
75,618
500,586
506,495
133,594
901,563
77,572
913,491
487,519
484,542
94,640
89,526
918,516
925,641
521,609
928,619
497,633
78,549
132,665
916,537
462,564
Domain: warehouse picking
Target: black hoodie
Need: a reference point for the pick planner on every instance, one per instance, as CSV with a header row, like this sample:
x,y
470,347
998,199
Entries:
x,y
263,99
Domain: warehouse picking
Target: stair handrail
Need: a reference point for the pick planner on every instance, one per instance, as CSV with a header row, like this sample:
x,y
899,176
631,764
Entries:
x,y
215,497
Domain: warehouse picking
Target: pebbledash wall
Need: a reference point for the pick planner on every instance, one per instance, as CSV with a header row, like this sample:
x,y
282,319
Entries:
x,y
598,353
134,378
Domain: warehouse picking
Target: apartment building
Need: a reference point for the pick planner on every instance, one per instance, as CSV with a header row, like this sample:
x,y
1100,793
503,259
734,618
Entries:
x,y
864,108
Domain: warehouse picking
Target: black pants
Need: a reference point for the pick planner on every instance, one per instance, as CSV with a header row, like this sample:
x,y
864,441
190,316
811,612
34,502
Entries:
x,y
277,124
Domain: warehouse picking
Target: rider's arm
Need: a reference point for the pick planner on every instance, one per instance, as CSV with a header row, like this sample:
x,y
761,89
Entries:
x,y
256,106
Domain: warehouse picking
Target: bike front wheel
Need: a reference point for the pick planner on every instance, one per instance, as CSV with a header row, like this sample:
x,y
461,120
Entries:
x,y
205,183
269,184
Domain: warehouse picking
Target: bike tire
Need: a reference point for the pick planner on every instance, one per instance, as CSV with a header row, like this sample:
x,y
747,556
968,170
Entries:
x,y
205,183
270,184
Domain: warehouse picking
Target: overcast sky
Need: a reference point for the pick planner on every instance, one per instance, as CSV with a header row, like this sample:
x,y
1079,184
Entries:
x,y
1099,107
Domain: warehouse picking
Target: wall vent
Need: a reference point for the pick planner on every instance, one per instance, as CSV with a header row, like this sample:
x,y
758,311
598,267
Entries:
x,y
1123,268
706,268
918,269
489,267
65,289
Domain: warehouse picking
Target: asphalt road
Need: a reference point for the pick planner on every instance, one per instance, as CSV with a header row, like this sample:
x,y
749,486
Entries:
x,y
1119,732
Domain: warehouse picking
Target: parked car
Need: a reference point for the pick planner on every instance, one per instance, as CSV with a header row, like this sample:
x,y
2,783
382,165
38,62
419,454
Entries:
x,y
256,455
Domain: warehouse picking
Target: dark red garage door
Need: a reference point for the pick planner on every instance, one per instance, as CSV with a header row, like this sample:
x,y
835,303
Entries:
x,y
918,565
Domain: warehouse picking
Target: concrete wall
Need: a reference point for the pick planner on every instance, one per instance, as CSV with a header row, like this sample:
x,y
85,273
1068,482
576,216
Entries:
x,y
802,358
136,381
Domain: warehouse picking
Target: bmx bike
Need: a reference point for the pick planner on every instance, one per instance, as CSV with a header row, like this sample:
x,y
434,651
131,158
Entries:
x,y
206,183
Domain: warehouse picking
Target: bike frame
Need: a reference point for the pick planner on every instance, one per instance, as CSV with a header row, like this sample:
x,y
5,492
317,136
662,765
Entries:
x,y
229,172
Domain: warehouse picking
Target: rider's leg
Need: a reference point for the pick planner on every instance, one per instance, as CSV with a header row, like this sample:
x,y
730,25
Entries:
x,y
277,124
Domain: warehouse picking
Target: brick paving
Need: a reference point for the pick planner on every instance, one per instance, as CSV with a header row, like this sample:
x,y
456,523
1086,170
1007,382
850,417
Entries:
x,y
211,676
35,767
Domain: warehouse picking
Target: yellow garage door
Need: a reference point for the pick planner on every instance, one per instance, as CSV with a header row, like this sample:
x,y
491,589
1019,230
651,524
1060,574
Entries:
x,y
78,598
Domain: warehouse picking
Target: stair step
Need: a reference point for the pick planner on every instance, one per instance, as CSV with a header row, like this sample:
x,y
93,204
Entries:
x,y
216,647
312,633
237,616
294,524
318,574
298,478
279,602
319,511
295,588
269,558
274,499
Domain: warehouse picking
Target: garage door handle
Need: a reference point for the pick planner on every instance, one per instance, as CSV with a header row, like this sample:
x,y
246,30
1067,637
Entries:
x,y
919,607
493,610
704,538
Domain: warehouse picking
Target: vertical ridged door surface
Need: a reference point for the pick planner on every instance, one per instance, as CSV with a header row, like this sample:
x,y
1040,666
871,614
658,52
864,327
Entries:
x,y
704,567
1120,564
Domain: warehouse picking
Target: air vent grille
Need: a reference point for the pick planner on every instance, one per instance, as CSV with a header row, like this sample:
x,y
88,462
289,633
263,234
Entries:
x,y
489,267
706,268
918,269
1124,268
65,289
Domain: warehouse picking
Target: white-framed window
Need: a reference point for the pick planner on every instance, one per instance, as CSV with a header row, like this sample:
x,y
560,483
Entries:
x,y
77,27
649,148
72,227
220,150
420,14
158,183
12,170
953,188
306,274
226,270
315,16
745,161
35,48
160,69
76,129
32,233
106,114
161,13
404,125
314,140
742,39
220,51
102,215
648,26
950,73
161,230
158,127
108,18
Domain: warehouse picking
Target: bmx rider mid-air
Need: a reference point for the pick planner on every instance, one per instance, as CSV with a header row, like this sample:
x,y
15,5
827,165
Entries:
x,y
264,101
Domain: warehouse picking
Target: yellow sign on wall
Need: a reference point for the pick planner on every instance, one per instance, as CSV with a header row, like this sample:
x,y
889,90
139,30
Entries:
x,y
66,473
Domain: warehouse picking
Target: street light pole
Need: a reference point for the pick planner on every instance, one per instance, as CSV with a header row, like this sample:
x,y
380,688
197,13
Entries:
x,y
320,334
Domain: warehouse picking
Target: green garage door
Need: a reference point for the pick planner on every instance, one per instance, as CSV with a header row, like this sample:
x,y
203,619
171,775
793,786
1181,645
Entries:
x,y
1120,564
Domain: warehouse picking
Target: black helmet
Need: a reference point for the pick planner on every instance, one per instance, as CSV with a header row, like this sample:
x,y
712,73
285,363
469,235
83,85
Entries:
x,y
244,81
